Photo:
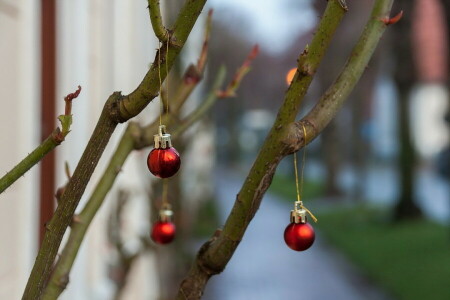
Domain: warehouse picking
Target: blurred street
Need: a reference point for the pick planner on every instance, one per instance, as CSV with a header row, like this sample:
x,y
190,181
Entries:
x,y
263,267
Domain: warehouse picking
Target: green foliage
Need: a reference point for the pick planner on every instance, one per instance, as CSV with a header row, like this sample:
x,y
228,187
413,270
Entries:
x,y
284,186
207,220
410,259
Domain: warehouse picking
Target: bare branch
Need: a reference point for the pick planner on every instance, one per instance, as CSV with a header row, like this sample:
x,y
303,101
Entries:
x,y
157,23
230,90
51,142
333,99
202,60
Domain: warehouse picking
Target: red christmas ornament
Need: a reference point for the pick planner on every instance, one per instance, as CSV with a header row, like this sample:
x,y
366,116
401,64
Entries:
x,y
163,231
299,235
163,161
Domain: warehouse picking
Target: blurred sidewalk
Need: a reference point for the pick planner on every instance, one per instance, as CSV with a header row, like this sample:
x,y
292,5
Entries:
x,y
264,268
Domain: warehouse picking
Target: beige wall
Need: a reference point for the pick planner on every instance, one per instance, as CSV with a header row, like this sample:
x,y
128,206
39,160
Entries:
x,y
104,46
19,115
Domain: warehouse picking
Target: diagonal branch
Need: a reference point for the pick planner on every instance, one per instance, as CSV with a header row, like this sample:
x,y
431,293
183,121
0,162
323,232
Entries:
x,y
214,255
132,138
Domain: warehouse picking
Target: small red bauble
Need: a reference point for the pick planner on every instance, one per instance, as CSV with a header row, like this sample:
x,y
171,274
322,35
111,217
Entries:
x,y
164,163
163,232
299,236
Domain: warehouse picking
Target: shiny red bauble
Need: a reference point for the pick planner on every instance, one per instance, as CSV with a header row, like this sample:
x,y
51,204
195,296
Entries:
x,y
163,232
163,163
299,236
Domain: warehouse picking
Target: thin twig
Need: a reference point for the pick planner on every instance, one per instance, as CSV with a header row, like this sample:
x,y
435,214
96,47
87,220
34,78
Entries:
x,y
205,106
204,53
51,142
230,90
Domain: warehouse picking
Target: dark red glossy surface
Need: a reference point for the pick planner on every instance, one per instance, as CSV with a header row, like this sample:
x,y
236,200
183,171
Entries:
x,y
164,163
163,232
299,237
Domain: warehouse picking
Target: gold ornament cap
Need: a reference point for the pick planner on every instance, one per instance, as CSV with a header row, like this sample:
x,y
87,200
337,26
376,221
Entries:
x,y
162,139
165,214
298,214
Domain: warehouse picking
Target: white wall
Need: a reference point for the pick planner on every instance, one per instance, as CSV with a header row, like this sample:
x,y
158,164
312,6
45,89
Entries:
x,y
19,135
104,46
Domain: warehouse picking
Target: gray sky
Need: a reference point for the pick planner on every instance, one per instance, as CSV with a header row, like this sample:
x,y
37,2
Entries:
x,y
270,23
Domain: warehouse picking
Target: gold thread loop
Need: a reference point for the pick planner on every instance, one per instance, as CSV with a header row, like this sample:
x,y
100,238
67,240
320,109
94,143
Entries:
x,y
310,213
296,177
161,107
165,189
167,75
300,189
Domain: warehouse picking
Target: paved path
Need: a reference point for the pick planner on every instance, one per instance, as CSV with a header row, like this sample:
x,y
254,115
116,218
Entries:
x,y
264,268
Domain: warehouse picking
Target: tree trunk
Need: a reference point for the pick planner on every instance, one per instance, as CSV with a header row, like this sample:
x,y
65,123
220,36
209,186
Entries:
x,y
332,159
404,77
406,206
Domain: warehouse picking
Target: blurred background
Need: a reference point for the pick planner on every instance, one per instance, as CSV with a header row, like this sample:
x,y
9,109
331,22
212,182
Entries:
x,y
377,177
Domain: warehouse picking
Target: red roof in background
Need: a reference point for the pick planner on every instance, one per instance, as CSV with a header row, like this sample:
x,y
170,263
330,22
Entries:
x,y
430,41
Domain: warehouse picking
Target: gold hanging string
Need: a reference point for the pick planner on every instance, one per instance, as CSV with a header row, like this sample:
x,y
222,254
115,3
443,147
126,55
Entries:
x,y
300,189
161,105
303,159
296,177
167,75
165,190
